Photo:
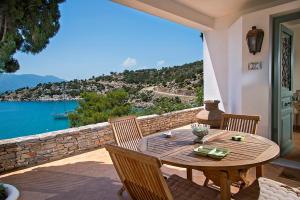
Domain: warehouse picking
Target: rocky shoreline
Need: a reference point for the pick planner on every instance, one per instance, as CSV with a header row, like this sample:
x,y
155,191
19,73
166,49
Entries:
x,y
39,100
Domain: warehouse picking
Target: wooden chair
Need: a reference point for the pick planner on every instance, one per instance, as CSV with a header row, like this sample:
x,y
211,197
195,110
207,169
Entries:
x,y
143,179
127,132
240,123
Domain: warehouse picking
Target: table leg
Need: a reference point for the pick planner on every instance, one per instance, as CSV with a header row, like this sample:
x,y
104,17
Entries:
x,y
225,183
189,174
259,171
206,182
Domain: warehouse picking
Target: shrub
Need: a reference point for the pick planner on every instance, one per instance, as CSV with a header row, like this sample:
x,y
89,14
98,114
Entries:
x,y
3,194
200,96
95,108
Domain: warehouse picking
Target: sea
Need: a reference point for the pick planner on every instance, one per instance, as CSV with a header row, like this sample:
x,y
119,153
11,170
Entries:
x,y
28,118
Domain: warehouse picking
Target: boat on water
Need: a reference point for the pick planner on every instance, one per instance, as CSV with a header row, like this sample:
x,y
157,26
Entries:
x,y
61,115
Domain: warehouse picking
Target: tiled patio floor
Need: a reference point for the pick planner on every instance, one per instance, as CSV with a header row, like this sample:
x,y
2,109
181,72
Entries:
x,y
92,176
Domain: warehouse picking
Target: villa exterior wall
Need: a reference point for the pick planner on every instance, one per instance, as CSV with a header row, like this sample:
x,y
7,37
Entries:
x,y
38,149
240,90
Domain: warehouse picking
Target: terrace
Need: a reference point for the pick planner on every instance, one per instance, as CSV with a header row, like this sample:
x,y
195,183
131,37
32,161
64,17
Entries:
x,y
72,163
91,175
87,172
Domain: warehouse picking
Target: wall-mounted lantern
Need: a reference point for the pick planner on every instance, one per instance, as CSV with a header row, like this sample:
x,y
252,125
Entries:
x,y
255,39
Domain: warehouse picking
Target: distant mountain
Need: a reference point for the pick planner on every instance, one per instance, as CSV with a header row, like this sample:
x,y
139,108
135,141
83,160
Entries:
x,y
11,82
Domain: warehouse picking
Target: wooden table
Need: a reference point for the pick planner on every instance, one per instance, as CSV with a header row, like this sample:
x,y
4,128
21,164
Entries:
x,y
254,151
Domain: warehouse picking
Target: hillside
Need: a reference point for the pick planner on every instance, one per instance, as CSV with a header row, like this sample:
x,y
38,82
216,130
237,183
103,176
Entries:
x,y
182,80
11,82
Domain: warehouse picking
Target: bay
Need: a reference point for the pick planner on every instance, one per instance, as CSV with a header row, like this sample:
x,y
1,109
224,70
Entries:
x,y
27,118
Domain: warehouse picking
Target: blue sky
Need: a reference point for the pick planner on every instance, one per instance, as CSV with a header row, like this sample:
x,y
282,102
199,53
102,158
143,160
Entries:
x,y
101,36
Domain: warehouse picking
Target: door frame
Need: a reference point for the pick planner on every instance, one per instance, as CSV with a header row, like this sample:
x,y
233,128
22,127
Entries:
x,y
276,76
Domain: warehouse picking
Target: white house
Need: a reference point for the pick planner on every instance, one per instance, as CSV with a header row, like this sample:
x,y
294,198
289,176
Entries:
x,y
227,77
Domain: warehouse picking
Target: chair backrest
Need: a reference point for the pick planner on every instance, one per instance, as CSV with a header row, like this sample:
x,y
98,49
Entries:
x,y
127,132
241,123
140,174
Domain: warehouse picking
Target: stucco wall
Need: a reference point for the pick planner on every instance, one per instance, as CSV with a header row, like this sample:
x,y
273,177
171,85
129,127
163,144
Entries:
x,y
235,38
37,149
226,58
215,67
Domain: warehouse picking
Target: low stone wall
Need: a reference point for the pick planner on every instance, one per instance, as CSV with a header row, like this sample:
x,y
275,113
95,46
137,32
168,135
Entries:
x,y
37,149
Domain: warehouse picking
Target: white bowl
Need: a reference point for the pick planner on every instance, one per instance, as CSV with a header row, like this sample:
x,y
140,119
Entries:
x,y
12,192
167,134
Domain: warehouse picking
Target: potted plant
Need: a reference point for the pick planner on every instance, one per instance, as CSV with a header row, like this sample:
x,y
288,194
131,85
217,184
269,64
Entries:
x,y
8,192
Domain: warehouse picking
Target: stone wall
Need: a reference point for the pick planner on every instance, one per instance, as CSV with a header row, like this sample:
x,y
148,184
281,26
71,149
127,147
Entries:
x,y
37,149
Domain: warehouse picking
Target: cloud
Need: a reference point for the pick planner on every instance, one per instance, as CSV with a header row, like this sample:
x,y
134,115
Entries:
x,y
160,63
129,62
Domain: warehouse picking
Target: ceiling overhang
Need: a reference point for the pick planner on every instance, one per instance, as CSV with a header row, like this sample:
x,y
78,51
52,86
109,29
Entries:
x,y
199,14
172,11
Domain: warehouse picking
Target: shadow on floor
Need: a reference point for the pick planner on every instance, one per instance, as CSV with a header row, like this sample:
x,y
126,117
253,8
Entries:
x,y
294,154
83,180
291,174
93,180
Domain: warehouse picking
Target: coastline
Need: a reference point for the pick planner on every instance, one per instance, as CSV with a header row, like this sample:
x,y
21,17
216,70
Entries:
x,y
40,100
21,118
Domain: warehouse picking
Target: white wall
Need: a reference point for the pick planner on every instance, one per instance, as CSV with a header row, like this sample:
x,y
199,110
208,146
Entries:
x,y
297,58
226,59
215,67
235,46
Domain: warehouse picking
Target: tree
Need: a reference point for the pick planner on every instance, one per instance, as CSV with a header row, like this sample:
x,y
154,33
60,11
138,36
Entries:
x,y
95,108
200,95
26,26
146,96
164,105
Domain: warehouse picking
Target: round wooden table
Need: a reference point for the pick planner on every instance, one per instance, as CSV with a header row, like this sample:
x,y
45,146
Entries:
x,y
254,151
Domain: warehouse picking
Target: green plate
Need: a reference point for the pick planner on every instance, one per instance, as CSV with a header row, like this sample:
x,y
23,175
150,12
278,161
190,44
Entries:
x,y
203,150
213,152
218,153
238,138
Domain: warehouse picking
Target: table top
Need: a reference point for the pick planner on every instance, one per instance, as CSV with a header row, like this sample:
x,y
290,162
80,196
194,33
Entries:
x,y
178,150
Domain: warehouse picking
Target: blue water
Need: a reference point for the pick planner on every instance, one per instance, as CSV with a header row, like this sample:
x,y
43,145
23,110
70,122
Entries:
x,y
27,118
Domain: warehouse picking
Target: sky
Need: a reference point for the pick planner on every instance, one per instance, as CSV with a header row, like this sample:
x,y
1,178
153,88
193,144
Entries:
x,y
101,36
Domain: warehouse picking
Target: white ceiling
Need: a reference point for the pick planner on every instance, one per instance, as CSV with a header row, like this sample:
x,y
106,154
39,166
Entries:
x,y
219,8
200,14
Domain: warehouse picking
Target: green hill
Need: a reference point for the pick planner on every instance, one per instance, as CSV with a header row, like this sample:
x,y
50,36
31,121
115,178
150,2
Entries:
x,y
183,79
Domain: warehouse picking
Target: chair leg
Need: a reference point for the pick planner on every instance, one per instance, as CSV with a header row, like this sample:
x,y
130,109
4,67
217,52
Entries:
x,y
189,174
206,182
120,192
259,171
242,185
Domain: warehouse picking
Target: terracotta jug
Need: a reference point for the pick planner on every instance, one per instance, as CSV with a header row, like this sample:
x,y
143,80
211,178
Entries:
x,y
211,115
